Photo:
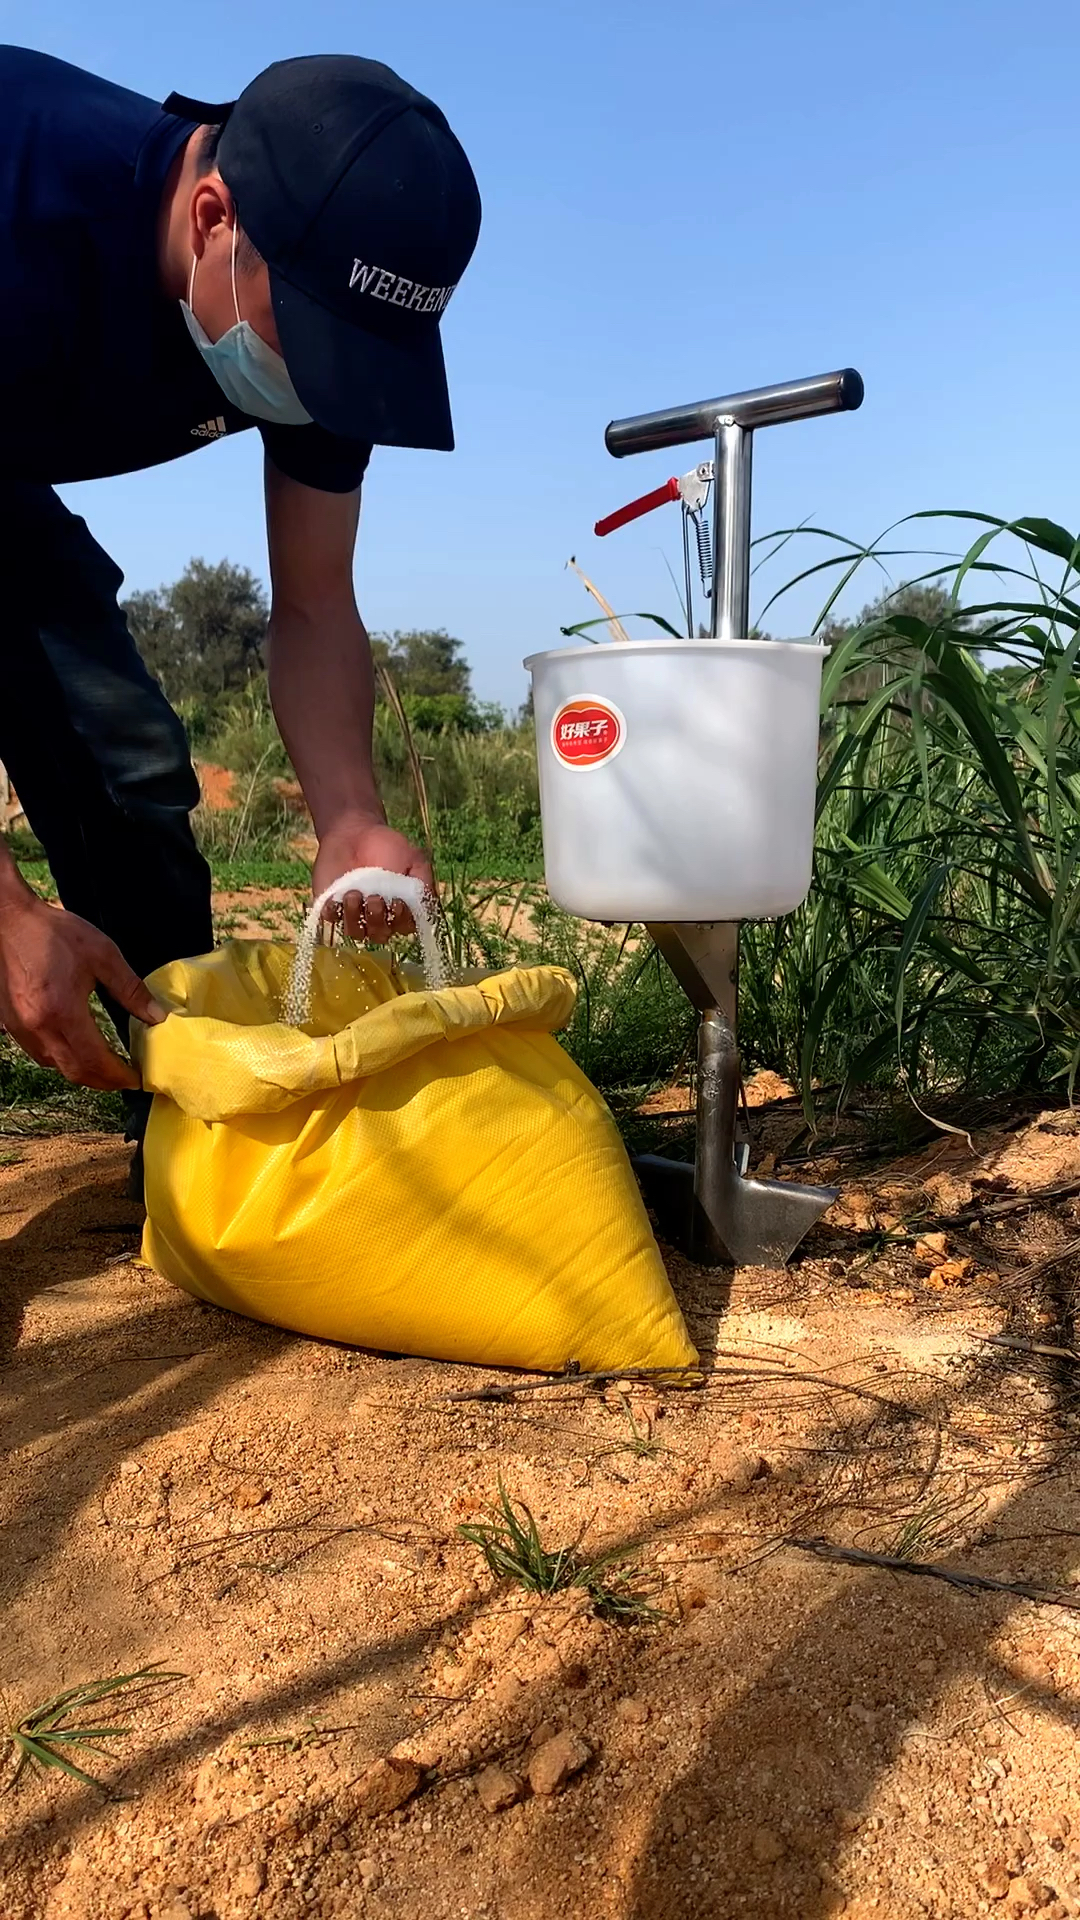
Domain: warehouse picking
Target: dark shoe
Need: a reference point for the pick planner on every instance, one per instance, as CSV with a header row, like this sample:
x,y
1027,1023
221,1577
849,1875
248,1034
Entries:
x,y
133,1187
137,1106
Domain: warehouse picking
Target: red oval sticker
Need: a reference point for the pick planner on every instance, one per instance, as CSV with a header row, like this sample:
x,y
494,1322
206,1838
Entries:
x,y
585,733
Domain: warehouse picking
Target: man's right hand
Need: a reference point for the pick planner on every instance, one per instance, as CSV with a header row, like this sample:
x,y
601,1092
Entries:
x,y
50,963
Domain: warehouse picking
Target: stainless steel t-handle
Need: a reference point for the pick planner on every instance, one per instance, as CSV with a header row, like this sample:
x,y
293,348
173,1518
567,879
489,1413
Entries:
x,y
730,422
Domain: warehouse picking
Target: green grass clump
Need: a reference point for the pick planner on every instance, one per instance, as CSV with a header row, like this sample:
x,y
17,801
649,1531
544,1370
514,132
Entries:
x,y
640,1441
510,1542
938,1526
939,949
248,870
81,1718
23,845
35,870
633,1028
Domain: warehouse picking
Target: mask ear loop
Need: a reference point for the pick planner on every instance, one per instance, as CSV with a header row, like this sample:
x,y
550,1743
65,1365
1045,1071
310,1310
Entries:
x,y
236,302
191,278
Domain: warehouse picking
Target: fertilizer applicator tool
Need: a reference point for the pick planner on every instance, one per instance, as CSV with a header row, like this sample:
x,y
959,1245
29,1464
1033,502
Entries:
x,y
677,784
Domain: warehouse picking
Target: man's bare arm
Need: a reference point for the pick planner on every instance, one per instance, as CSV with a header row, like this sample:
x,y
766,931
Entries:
x,y
323,692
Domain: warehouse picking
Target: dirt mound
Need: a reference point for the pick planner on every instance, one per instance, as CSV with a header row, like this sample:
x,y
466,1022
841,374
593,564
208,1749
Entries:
x,y
372,1725
217,786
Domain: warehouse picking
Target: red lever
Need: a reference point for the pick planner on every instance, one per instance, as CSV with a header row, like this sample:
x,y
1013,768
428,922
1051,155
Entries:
x,y
658,498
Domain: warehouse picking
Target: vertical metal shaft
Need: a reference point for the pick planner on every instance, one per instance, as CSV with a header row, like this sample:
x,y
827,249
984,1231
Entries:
x,y
717,1101
731,530
717,1095
718,1046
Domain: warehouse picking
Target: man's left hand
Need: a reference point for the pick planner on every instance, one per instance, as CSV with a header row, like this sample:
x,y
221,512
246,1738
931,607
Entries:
x,y
369,844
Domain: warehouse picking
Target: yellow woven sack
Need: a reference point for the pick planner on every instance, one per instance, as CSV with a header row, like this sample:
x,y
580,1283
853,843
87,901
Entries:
x,y
426,1172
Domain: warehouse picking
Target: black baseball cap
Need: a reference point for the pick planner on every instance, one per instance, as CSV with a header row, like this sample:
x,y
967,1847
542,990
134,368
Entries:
x,y
366,210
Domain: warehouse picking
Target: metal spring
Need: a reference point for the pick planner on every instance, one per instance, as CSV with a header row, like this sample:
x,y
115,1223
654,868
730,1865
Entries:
x,y
704,549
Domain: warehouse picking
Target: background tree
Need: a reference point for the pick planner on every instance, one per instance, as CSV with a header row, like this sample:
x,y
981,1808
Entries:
x,y
430,671
424,661
927,600
202,637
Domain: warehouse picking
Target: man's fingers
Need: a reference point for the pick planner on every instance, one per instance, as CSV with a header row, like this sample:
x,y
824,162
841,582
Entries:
x,y
84,1057
354,916
369,917
376,917
118,1079
126,987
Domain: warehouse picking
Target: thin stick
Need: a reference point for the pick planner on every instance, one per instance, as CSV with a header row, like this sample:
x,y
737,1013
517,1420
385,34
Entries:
x,y
674,1376
690,1377
246,808
143,1360
1044,1266
1014,1203
618,631
396,705
992,1210
998,1706
970,1719
931,1466
305,1739
1019,1345
967,1582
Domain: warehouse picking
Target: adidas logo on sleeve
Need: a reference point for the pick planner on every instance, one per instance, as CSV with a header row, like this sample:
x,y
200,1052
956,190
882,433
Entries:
x,y
210,429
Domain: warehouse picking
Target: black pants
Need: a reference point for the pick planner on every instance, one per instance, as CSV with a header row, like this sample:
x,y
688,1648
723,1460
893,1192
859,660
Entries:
x,y
97,756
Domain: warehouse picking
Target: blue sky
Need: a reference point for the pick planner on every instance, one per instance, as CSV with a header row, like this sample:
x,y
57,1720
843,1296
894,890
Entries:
x,y
678,202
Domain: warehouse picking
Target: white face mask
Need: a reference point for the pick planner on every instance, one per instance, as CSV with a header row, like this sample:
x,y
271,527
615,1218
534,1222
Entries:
x,y
249,372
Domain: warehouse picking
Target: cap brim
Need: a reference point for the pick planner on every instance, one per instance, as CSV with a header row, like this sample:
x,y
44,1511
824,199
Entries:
x,y
359,385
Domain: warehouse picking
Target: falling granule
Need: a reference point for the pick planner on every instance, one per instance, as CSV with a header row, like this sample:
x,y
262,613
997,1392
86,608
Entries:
x,y
296,1006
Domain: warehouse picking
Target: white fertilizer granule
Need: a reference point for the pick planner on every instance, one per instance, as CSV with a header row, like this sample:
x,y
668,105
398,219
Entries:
x,y
296,1006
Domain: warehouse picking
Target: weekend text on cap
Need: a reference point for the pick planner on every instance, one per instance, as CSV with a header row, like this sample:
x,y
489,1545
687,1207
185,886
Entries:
x,y
381,284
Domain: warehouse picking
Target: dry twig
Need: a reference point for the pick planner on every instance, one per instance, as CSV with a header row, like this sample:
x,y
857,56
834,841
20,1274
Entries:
x,y
618,631
966,1581
693,1378
1018,1344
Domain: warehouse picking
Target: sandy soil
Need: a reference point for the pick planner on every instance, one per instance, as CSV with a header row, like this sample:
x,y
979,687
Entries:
x,y
277,1519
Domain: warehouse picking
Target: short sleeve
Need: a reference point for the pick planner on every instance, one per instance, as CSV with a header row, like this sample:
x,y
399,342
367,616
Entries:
x,y
316,458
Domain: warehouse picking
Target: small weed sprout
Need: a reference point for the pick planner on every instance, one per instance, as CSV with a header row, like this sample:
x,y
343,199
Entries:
x,y
510,1542
641,1442
46,1735
936,1527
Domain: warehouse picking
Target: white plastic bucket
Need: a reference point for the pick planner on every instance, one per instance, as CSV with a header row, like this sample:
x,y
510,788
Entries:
x,y
677,778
